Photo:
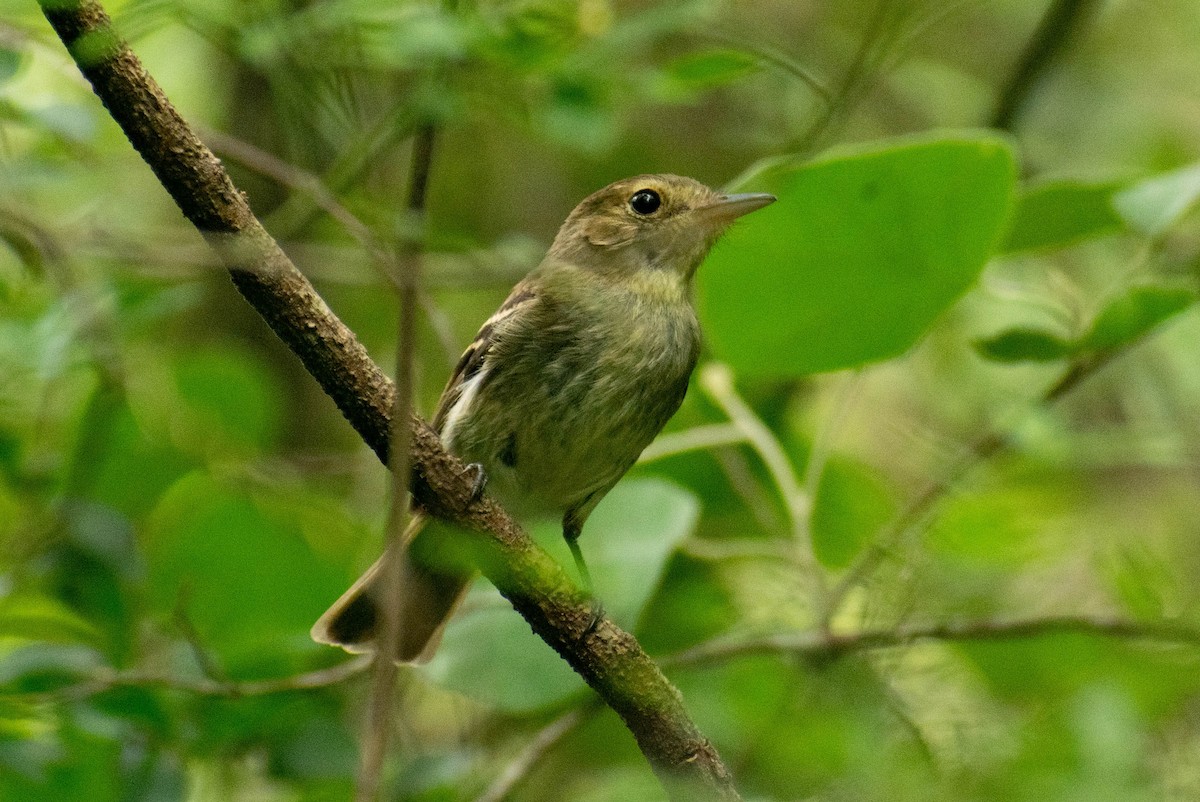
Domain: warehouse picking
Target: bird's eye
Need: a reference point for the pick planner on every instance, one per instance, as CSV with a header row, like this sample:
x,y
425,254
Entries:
x,y
645,201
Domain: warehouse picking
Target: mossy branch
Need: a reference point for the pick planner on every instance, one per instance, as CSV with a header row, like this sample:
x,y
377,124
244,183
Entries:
x,y
610,660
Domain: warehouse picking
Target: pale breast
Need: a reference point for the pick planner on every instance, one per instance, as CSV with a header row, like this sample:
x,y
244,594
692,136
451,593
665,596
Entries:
x,y
564,409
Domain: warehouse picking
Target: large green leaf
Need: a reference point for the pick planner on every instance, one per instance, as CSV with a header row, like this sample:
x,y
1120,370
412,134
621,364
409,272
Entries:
x,y
240,564
862,252
859,256
491,654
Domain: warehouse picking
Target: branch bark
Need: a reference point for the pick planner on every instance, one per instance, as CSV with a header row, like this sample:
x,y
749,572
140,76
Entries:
x,y
610,660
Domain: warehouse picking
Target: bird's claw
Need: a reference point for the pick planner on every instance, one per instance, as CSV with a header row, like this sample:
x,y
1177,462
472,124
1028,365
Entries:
x,y
479,483
595,616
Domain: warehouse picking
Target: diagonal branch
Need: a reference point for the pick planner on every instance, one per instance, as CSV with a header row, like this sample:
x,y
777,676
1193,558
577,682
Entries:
x,y
610,660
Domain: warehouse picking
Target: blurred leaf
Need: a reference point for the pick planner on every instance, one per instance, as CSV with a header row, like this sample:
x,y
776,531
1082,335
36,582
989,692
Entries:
x,y
225,397
1001,527
1153,206
578,115
852,503
708,69
690,606
1062,213
1024,345
863,251
238,563
40,667
492,655
1136,313
10,63
1053,667
119,464
43,619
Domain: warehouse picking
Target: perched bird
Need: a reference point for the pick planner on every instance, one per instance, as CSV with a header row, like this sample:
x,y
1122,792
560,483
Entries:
x,y
562,388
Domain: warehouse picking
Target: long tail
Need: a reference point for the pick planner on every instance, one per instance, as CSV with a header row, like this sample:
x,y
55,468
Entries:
x,y
427,600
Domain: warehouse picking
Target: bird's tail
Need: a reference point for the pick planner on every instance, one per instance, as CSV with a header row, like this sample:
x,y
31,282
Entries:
x,y
426,601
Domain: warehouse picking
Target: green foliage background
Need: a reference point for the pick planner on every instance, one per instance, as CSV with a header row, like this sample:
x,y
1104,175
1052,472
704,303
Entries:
x,y
1003,324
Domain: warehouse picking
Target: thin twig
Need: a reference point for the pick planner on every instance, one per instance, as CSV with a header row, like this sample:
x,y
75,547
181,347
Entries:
x,y
297,179
541,743
1061,21
818,644
107,680
717,381
697,438
408,282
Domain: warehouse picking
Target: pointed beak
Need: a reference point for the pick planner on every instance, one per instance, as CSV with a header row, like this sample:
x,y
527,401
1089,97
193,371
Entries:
x,y
728,208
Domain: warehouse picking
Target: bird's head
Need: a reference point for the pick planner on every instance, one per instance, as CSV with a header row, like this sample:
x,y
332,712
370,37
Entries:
x,y
649,223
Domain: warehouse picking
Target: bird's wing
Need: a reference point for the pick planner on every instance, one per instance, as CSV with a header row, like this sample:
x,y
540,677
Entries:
x,y
520,302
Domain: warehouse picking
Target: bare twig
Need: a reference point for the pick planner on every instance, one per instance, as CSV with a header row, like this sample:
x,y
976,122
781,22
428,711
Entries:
x,y
696,438
717,381
535,750
408,282
818,644
609,659
106,680
1061,21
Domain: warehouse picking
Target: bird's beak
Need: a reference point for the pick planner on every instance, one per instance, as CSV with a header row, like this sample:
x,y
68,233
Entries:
x,y
728,208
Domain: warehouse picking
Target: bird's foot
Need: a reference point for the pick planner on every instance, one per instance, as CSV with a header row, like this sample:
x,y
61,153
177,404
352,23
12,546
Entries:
x,y
479,482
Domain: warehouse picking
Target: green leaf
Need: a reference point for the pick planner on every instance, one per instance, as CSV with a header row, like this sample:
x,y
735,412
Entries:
x,y
43,619
862,252
852,503
1062,213
492,655
1135,313
708,69
1156,204
242,568
1024,345
10,63
227,398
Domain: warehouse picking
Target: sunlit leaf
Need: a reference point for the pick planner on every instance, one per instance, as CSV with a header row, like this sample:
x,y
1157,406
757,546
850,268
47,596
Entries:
x,y
1062,213
1156,204
862,252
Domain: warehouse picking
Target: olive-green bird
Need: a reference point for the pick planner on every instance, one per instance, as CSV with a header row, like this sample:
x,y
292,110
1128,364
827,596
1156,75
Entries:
x,y
576,372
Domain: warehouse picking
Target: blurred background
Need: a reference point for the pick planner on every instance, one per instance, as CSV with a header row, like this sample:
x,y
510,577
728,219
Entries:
x,y
957,563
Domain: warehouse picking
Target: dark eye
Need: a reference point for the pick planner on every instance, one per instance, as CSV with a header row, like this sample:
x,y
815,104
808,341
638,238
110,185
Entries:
x,y
645,201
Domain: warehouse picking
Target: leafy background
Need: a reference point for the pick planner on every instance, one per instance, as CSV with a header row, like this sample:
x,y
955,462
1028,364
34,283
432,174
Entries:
x,y
924,528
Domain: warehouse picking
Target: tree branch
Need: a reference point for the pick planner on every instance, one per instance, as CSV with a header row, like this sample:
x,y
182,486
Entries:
x,y
610,660
1062,20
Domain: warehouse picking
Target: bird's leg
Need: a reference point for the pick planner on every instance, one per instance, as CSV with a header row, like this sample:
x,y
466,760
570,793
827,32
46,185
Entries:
x,y
479,483
572,529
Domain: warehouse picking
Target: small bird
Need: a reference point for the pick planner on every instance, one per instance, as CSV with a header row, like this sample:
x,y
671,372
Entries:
x,y
566,384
